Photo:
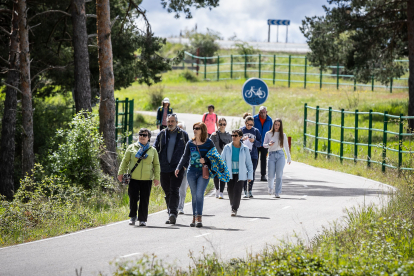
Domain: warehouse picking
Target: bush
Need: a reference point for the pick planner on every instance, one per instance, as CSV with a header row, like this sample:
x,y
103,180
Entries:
x,y
156,97
189,76
77,159
205,43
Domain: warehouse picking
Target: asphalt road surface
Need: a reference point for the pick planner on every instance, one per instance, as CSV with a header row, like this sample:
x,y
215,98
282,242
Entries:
x,y
311,199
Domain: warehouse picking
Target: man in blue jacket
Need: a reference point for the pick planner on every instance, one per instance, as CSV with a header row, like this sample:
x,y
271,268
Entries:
x,y
263,123
170,144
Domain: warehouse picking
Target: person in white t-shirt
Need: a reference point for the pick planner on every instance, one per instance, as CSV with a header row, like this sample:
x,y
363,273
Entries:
x,y
275,140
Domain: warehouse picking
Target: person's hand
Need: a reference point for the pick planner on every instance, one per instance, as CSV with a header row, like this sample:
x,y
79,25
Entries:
x,y
158,127
251,140
176,173
156,182
120,178
249,180
202,160
245,138
289,162
271,143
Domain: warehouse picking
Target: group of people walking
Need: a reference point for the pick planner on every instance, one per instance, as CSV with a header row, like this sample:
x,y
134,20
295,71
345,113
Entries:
x,y
175,160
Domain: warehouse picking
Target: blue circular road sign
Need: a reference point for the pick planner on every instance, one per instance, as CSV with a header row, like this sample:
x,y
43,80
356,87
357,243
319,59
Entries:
x,y
255,91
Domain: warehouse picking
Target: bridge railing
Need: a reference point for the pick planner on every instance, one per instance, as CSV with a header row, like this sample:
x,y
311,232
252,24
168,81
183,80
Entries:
x,y
384,132
281,69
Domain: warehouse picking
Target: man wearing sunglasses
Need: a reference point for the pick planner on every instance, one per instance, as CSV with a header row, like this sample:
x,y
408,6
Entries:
x,y
263,123
170,144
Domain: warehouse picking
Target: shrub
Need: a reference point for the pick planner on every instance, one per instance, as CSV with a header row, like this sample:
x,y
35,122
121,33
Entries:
x,y
156,96
205,43
189,76
77,159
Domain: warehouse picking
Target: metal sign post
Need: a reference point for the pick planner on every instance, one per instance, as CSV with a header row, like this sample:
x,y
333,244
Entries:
x,y
278,22
255,92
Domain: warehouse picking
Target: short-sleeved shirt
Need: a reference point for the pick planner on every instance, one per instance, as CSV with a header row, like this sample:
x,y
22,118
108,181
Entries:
x,y
235,153
210,121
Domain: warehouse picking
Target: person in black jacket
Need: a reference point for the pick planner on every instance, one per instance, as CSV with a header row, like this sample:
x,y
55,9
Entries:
x,y
170,144
162,113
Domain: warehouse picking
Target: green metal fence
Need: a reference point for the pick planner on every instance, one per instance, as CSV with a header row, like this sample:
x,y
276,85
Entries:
x,y
355,139
124,121
282,68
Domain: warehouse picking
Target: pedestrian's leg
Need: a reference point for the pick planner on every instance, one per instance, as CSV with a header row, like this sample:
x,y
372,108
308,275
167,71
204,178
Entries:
x,y
133,193
201,189
165,184
145,193
230,191
222,185
192,182
216,183
271,169
280,164
254,161
175,183
263,157
183,192
237,191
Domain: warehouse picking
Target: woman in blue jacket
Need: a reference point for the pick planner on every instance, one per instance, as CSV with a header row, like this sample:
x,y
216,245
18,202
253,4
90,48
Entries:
x,y
252,139
236,155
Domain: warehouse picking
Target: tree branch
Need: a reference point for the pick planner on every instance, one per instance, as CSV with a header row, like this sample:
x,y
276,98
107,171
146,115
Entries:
x,y
50,68
11,86
6,61
4,30
6,10
65,13
91,16
92,35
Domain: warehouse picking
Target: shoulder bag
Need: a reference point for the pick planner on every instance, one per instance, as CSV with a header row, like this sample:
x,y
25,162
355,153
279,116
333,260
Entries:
x,y
204,168
126,177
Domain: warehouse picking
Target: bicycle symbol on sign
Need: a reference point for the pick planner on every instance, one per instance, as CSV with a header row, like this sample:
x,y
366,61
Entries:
x,y
249,93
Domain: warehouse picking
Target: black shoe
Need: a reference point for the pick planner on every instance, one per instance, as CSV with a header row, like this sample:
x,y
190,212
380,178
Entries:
x,y
263,178
171,220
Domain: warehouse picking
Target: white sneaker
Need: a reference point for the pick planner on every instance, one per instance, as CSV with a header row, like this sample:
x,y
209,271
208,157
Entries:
x,y
270,191
245,195
217,193
277,196
142,223
221,196
181,212
132,220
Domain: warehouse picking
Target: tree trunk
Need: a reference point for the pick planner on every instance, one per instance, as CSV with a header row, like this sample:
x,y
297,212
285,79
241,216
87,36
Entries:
x,y
81,57
410,25
8,131
25,86
106,82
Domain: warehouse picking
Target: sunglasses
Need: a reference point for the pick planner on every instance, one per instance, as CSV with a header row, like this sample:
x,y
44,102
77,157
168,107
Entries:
x,y
222,124
234,135
249,124
196,128
143,134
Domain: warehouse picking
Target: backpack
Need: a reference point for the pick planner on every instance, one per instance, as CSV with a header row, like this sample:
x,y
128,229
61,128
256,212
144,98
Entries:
x,y
205,117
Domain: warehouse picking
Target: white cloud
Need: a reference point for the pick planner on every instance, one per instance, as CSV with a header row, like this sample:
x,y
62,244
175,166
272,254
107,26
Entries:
x,y
246,18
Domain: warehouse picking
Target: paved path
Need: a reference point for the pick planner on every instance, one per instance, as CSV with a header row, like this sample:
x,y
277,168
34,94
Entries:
x,y
311,198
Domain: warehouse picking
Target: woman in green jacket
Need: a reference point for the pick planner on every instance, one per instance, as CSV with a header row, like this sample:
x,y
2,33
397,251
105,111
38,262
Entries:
x,y
141,178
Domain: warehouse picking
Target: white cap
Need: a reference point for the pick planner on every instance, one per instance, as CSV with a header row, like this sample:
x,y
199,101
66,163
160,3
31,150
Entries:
x,y
166,100
262,107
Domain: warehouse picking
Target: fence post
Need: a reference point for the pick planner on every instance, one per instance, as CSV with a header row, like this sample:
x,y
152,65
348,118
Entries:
x,y
354,84
260,66
306,67
131,121
341,146
372,83
205,67
369,137
305,124
231,66
384,141
316,131
125,127
274,68
116,120
329,131
356,137
290,61
218,68
320,79
245,66
391,85
337,75
400,138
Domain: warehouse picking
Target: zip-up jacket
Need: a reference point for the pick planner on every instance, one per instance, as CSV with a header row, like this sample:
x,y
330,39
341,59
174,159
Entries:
x,y
160,111
148,168
161,145
267,125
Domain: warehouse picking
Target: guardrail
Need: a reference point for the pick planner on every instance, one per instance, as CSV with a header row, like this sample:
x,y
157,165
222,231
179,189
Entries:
x,y
125,124
269,66
356,142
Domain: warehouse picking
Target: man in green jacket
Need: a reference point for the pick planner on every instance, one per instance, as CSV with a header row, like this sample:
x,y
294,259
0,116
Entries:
x,y
147,171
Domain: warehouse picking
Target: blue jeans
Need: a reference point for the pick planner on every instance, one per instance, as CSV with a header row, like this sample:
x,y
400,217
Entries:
x,y
198,187
275,164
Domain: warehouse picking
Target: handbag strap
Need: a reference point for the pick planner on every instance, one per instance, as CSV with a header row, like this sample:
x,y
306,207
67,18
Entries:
x,y
198,150
139,160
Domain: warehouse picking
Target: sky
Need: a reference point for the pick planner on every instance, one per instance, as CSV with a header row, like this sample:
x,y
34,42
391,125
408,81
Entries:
x,y
247,19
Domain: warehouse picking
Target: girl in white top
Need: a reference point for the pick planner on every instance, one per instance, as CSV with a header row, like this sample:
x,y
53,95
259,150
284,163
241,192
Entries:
x,y
275,140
